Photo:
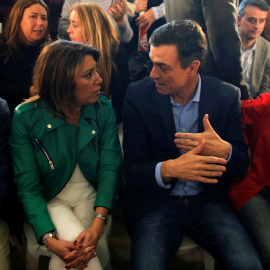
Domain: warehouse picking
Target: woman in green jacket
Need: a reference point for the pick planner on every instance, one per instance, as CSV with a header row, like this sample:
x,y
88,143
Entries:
x,y
66,155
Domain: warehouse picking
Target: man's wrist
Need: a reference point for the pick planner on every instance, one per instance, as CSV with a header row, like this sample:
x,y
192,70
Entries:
x,y
165,172
227,150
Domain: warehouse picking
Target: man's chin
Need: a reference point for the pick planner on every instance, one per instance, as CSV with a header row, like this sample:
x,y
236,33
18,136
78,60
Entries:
x,y
162,90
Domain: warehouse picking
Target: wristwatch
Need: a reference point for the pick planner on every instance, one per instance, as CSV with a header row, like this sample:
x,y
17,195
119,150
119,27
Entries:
x,y
47,236
104,218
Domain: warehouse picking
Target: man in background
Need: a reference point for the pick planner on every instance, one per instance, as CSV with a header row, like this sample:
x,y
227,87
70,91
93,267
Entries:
x,y
218,19
255,49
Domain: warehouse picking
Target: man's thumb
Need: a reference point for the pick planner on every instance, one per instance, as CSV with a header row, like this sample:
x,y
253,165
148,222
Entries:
x,y
206,123
198,149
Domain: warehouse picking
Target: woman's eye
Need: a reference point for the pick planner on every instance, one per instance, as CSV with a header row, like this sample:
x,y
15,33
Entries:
x,y
89,75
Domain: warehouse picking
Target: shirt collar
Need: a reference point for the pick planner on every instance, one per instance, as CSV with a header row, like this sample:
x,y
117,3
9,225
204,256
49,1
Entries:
x,y
251,49
197,95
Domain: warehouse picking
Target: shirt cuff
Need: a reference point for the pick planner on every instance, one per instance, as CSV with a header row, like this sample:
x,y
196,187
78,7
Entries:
x,y
159,11
158,177
229,157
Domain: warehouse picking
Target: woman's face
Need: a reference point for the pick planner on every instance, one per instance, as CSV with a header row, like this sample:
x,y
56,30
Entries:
x,y
87,83
74,30
34,24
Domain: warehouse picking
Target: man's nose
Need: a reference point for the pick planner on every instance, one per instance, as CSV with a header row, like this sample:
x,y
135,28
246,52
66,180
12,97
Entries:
x,y
154,73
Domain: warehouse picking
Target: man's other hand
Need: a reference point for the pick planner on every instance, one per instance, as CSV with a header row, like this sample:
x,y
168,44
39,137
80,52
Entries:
x,y
194,167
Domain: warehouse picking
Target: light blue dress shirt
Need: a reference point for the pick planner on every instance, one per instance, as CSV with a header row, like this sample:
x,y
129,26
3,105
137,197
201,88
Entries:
x,y
247,63
186,120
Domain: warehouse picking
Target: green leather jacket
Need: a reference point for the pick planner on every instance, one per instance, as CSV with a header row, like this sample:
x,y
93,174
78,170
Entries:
x,y
45,150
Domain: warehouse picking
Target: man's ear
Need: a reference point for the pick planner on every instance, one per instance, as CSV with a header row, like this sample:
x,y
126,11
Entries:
x,y
239,21
193,67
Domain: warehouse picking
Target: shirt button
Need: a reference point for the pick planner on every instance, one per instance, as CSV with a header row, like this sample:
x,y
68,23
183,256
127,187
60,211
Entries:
x,y
49,126
93,132
184,110
184,129
186,187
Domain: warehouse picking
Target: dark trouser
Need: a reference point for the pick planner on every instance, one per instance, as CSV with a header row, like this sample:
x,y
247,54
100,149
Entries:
x,y
213,225
255,216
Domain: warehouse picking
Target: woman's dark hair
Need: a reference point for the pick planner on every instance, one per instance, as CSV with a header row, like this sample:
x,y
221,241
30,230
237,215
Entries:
x,y
12,32
55,71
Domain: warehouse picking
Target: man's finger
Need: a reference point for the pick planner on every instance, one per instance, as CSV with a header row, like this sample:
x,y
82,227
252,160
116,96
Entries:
x,y
148,26
190,136
206,123
186,142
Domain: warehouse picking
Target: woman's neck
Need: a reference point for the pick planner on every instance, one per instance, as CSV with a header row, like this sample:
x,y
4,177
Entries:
x,y
74,118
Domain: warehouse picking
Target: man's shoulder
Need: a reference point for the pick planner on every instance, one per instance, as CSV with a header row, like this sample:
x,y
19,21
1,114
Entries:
x,y
216,86
261,42
143,87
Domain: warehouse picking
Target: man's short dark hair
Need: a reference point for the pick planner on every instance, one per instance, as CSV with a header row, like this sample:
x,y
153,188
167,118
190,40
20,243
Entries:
x,y
261,4
188,37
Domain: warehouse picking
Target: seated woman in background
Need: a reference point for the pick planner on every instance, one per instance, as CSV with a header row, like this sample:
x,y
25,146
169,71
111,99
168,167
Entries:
x,y
90,24
20,43
115,11
250,196
66,155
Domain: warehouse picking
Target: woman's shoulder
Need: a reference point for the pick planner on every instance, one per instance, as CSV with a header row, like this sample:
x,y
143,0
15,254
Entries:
x,y
28,107
103,99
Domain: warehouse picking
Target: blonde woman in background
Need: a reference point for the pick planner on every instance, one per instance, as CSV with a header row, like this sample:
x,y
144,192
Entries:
x,y
115,11
90,24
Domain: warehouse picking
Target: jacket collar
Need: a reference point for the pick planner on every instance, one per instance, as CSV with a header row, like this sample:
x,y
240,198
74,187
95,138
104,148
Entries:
x,y
164,106
53,122
206,102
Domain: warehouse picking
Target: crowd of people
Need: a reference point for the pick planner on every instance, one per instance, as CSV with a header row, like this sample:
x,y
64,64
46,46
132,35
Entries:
x,y
195,131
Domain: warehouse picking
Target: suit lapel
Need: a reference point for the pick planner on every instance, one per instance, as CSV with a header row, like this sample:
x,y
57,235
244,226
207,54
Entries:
x,y
256,66
206,103
163,103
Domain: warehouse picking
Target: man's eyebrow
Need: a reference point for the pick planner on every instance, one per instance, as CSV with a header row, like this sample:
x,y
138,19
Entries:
x,y
252,18
161,64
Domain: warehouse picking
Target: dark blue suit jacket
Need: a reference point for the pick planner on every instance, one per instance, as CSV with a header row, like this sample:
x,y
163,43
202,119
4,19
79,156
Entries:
x,y
149,138
5,159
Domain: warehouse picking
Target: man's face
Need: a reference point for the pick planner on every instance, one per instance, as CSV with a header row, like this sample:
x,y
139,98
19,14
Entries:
x,y
252,23
169,76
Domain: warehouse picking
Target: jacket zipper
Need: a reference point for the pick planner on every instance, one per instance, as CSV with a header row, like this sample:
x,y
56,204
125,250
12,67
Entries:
x,y
45,153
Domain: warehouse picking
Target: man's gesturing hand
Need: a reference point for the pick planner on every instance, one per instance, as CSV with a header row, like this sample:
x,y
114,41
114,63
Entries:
x,y
194,167
214,145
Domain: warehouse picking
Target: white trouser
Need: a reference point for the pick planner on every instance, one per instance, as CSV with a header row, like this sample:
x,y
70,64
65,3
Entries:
x,y
4,245
69,223
72,212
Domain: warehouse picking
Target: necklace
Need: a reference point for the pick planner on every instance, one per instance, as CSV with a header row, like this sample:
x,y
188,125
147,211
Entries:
x,y
74,119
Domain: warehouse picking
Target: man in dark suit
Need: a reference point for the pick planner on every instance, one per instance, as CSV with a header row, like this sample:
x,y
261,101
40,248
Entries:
x,y
5,184
218,19
169,193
